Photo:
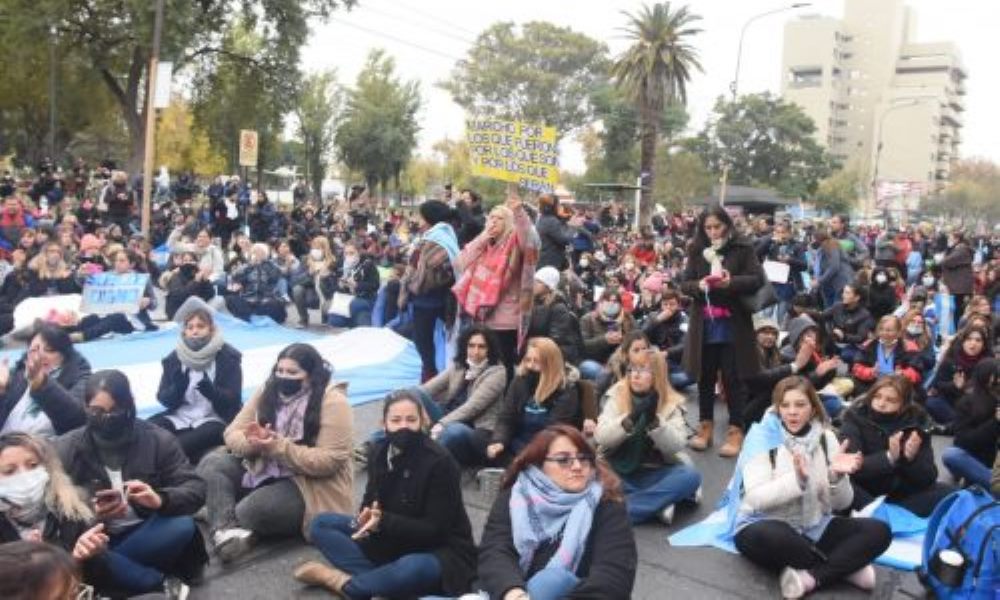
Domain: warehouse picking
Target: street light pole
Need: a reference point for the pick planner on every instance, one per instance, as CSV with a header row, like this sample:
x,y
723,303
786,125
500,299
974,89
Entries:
x,y
150,145
736,78
910,101
52,95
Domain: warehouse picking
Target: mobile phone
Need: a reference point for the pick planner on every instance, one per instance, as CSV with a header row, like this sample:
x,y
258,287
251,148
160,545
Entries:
x,y
108,496
911,430
613,327
713,279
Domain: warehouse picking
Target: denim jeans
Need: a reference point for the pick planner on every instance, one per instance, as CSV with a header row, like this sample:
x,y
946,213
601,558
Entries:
x,y
464,443
551,583
361,315
940,409
650,490
966,466
139,558
590,369
410,575
679,379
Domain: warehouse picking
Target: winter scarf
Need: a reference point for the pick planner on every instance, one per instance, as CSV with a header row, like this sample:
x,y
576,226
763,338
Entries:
x,y
200,360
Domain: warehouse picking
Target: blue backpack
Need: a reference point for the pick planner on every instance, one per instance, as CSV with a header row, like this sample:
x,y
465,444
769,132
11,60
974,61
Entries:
x,y
966,524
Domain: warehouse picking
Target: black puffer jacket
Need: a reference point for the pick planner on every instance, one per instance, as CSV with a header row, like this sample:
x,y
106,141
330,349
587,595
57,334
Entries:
x,y
877,475
227,384
856,322
556,321
607,574
422,511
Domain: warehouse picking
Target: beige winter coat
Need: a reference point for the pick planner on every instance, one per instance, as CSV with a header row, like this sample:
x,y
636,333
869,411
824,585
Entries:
x,y
669,437
324,472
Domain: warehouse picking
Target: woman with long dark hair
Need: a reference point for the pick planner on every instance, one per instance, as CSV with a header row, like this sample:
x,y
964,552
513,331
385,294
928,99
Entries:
x,y
44,393
287,456
559,528
977,426
722,267
412,536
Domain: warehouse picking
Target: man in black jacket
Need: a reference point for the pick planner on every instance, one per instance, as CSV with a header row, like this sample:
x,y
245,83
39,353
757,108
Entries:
x,y
666,330
554,234
471,218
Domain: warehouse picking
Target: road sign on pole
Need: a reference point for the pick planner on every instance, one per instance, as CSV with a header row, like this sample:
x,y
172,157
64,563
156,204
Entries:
x,y
248,148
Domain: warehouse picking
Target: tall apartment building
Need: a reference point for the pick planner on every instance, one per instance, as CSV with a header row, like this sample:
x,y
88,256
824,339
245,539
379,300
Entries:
x,y
863,78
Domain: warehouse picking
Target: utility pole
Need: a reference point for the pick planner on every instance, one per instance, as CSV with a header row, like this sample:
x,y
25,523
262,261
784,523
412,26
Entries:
x,y
147,163
52,95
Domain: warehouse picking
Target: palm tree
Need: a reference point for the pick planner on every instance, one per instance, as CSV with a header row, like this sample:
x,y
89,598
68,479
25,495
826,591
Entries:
x,y
653,72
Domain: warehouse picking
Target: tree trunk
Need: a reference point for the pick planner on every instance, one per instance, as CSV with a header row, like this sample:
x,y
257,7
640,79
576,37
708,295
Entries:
x,y
647,161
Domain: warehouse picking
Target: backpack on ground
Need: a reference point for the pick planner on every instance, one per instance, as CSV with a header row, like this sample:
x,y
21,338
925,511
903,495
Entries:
x,y
961,556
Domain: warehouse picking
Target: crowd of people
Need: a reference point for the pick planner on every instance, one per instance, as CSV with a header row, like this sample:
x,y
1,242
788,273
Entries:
x,y
567,343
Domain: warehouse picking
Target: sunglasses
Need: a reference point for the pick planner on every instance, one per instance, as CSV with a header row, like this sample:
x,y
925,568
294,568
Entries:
x,y
566,461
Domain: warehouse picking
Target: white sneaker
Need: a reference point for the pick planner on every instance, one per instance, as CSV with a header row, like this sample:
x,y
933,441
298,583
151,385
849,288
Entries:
x,y
794,584
232,543
667,515
175,589
697,495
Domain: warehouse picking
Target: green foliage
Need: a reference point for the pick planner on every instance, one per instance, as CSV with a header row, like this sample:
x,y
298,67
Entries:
x,y
839,192
653,73
378,129
680,177
182,146
540,73
972,193
316,111
767,142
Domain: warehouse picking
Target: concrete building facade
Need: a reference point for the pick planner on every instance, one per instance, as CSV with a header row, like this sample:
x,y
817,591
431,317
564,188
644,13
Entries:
x,y
864,79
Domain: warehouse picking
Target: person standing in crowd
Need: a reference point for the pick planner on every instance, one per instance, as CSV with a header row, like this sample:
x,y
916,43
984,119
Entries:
x,y
849,323
142,488
721,268
287,457
603,329
780,247
254,288
891,431
977,426
119,200
359,278
543,391
426,285
38,502
559,528
412,536
44,394
956,270
831,268
469,392
201,384
92,327
854,248
554,234
497,276
642,432
785,520
954,371
315,285
551,316
471,218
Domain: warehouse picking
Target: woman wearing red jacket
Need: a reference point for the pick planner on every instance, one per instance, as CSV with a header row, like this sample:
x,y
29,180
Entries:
x,y
887,354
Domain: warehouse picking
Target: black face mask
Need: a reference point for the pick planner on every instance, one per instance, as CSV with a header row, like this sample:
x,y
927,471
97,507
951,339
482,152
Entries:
x,y
404,439
189,270
288,386
110,426
880,417
532,378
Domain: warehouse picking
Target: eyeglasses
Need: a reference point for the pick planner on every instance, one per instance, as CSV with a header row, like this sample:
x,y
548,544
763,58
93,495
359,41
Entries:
x,y
640,371
566,461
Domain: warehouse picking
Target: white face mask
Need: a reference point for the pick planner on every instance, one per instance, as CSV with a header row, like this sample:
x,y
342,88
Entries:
x,y
880,278
316,254
26,489
914,330
927,281
584,263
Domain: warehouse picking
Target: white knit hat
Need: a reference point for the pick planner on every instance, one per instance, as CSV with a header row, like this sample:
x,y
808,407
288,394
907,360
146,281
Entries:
x,y
549,276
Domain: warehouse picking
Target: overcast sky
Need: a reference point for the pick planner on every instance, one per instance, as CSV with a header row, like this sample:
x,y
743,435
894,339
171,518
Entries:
x,y
427,37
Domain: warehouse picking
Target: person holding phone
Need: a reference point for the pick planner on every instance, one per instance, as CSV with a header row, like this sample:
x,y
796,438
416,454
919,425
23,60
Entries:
x,y
603,330
891,431
412,536
142,489
287,457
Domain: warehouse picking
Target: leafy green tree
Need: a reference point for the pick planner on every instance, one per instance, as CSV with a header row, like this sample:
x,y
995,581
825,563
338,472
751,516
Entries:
x,y
839,192
971,194
316,112
654,72
767,142
183,146
113,38
378,128
539,73
681,176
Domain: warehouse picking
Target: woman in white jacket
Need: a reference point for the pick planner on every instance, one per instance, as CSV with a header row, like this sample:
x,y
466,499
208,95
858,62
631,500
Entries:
x,y
785,519
642,433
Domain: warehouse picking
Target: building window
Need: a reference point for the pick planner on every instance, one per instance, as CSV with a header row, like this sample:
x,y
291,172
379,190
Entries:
x,y
806,77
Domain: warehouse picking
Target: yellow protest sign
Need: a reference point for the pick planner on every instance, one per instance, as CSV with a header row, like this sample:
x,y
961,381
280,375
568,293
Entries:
x,y
514,151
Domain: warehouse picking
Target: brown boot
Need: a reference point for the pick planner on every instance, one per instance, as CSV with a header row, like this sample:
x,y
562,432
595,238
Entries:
x,y
702,439
734,442
318,574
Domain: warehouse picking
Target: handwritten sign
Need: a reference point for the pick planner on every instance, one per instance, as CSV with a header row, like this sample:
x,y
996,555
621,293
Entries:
x,y
523,153
106,293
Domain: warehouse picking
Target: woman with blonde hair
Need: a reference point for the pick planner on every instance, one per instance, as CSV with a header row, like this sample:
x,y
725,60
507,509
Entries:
x,y
642,433
543,392
315,285
497,281
918,337
38,502
49,275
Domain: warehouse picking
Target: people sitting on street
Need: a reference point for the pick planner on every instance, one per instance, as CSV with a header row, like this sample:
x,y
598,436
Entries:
x,y
254,288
